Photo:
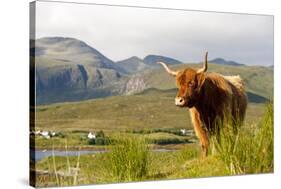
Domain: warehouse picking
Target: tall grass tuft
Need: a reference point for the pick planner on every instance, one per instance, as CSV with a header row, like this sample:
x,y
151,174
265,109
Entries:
x,y
247,150
128,158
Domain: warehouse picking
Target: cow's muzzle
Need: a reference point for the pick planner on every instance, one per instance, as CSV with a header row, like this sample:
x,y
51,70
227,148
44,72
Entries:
x,y
180,101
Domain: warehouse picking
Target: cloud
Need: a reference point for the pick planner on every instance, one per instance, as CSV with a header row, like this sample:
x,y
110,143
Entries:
x,y
121,32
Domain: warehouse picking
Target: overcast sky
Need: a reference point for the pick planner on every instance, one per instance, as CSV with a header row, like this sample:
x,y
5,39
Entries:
x,y
122,32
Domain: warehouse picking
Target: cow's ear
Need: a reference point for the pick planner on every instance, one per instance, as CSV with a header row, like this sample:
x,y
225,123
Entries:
x,y
200,79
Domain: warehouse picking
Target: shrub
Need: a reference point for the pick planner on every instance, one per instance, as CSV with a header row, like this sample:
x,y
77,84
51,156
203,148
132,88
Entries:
x,y
92,141
60,135
163,141
128,158
102,141
98,141
100,134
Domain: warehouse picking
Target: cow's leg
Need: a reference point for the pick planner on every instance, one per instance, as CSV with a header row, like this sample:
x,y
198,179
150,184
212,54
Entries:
x,y
200,131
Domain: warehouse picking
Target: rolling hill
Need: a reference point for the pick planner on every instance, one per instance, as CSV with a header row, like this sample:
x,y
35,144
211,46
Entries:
x,y
152,59
258,79
222,61
152,108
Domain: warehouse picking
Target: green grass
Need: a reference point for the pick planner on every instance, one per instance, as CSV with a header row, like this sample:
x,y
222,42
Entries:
x,y
249,151
128,159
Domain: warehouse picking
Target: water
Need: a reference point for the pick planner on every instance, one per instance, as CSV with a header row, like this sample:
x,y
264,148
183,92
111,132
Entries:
x,y
37,155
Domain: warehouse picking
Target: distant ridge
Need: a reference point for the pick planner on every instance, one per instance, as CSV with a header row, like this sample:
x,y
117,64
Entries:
x,y
222,61
132,65
135,64
271,66
152,59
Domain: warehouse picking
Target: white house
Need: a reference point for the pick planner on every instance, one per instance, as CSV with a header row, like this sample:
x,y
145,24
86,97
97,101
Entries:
x,y
53,133
37,132
45,134
183,131
91,135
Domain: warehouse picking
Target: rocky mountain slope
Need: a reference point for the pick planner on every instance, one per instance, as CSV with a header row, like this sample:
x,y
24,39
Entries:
x,y
67,65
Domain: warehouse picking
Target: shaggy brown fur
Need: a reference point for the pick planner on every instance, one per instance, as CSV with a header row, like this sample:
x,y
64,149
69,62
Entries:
x,y
219,99
210,97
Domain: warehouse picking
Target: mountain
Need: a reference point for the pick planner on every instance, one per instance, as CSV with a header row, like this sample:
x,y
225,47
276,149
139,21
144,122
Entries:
x,y
222,61
70,51
152,59
133,65
68,69
136,65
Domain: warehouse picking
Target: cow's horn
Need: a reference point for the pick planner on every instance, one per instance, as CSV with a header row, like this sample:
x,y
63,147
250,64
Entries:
x,y
205,66
171,72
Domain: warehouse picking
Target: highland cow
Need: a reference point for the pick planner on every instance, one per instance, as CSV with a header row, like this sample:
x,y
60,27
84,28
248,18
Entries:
x,y
211,98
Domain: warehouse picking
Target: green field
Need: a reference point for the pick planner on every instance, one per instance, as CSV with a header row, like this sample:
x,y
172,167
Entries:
x,y
131,158
150,110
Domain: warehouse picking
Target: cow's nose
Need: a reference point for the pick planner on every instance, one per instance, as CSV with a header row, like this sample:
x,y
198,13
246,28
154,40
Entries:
x,y
179,101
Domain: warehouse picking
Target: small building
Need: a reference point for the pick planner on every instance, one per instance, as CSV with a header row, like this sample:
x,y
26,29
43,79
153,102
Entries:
x,y
183,131
53,133
45,134
91,135
37,132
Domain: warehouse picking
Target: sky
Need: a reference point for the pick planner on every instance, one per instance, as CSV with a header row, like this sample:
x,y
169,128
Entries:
x,y
121,32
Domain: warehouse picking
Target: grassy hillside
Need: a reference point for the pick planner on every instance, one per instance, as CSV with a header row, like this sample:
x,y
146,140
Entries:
x,y
150,109
258,80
